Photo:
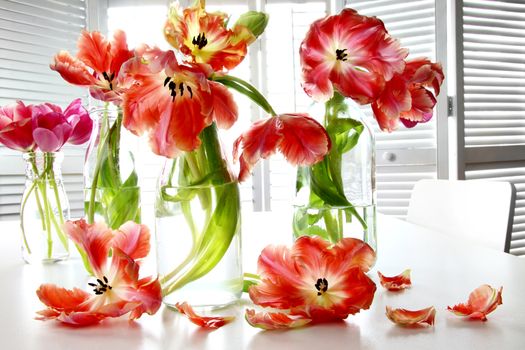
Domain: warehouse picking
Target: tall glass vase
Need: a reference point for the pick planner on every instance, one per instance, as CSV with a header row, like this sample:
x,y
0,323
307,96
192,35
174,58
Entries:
x,y
111,188
198,224
44,209
336,197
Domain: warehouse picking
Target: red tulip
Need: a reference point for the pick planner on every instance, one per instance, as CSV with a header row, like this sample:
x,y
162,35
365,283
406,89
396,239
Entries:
x,y
301,139
16,128
97,64
314,281
203,36
406,96
174,102
351,53
117,289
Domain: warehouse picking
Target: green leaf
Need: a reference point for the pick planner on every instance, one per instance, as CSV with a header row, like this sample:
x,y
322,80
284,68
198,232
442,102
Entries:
x,y
124,206
322,185
255,21
344,133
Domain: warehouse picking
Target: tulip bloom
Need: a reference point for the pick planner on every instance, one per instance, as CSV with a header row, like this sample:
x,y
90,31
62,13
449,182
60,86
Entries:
x,y
482,301
203,36
403,317
314,281
395,283
117,289
300,138
16,128
175,102
351,53
97,64
406,96
52,127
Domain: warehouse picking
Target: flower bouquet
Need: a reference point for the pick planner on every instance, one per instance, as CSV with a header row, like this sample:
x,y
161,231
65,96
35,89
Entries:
x,y
345,57
111,191
40,131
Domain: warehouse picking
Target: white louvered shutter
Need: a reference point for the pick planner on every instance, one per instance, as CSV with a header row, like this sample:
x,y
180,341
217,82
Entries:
x,y
31,33
404,156
493,61
289,22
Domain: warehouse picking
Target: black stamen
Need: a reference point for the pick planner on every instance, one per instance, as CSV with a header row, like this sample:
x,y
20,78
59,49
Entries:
x,y
181,88
166,81
105,279
92,284
191,92
200,41
321,285
102,286
341,55
106,76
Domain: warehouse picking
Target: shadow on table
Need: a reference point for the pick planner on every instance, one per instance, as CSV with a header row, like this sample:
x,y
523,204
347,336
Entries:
x,y
326,336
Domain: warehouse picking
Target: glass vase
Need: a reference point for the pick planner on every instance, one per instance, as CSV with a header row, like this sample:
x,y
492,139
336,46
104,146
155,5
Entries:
x,y
336,197
44,209
198,221
111,188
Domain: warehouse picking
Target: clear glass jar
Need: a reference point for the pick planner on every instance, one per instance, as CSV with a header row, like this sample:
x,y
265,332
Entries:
x,y
111,183
44,209
336,198
198,228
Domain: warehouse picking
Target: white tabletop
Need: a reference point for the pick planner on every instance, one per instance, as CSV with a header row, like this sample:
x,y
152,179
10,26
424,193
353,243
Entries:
x,y
444,272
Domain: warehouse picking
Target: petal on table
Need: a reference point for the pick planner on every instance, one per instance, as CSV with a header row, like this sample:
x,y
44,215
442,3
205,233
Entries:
x,y
482,301
395,283
203,321
403,317
274,320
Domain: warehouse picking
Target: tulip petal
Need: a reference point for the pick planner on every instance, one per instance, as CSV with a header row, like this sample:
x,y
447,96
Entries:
x,y
274,320
46,140
403,317
133,239
94,239
304,141
94,51
355,252
482,301
203,321
396,283
72,70
62,299
224,109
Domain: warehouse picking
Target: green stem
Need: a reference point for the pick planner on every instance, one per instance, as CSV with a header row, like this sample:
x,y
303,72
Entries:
x,y
22,211
52,180
47,209
246,89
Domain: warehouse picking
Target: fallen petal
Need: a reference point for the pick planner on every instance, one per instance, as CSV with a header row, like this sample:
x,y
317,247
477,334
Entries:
x,y
482,301
274,320
396,283
203,321
403,317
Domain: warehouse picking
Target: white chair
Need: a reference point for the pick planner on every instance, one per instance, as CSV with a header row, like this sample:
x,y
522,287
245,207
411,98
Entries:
x,y
480,211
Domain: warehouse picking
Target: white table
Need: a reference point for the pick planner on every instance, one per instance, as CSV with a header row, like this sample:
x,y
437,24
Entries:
x,y
443,273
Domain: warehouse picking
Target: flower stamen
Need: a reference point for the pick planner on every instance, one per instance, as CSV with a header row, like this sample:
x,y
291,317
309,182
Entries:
x,y
341,55
321,285
101,287
200,41
109,79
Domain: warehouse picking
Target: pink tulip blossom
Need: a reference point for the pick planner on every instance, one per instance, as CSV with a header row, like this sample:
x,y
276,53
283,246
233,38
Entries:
x,y
16,130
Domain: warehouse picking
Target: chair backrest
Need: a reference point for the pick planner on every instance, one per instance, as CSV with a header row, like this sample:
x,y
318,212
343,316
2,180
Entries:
x,y
480,211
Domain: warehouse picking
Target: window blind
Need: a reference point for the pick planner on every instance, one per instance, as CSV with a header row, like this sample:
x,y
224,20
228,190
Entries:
x,y
404,156
31,33
494,98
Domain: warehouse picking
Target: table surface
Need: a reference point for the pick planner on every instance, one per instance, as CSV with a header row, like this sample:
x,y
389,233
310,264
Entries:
x,y
444,272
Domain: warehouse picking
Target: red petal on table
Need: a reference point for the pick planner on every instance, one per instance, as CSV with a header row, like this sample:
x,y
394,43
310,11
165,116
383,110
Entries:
x,y
403,317
203,321
274,320
482,301
395,283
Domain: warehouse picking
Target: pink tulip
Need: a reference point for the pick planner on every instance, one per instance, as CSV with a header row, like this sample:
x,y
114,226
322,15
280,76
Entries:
x,y
81,122
16,130
50,130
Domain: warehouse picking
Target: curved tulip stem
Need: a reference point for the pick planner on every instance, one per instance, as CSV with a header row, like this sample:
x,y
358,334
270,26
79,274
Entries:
x,y
22,211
